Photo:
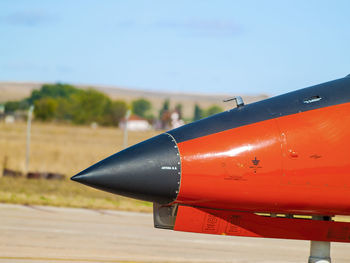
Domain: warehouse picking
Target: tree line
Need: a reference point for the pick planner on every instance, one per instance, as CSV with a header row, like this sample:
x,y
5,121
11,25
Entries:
x,y
64,102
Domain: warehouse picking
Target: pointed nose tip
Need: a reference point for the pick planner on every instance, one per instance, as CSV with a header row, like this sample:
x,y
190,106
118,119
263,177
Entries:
x,y
78,177
148,171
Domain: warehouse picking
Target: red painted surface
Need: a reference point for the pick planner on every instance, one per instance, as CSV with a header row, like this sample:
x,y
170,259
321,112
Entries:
x,y
221,222
297,164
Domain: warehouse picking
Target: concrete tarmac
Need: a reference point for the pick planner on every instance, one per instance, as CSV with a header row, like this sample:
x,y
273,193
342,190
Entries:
x,y
47,234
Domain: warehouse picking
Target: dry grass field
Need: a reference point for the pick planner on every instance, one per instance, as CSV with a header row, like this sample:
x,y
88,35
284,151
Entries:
x,y
64,149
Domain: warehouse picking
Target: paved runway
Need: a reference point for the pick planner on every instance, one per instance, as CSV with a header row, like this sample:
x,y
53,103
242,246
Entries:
x,y
48,234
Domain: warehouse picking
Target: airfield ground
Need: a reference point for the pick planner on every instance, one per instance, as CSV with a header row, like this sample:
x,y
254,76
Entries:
x,y
47,234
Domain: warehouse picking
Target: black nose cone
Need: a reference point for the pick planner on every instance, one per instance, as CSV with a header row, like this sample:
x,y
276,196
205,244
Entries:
x,y
147,171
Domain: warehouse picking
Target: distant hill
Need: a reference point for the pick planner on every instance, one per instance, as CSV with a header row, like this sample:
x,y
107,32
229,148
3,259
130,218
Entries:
x,y
20,90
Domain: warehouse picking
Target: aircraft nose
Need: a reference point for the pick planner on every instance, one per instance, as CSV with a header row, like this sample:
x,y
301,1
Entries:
x,y
148,171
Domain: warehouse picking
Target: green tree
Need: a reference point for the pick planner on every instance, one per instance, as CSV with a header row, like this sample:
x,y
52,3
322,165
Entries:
x,y
198,113
52,91
12,106
165,107
214,109
65,109
141,107
89,106
45,109
115,112
179,109
67,103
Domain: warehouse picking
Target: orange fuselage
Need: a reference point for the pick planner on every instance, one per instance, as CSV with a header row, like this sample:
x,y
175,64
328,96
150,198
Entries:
x,y
298,164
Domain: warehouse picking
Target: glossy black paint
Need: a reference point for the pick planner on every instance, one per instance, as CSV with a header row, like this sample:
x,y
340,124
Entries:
x,y
319,96
148,171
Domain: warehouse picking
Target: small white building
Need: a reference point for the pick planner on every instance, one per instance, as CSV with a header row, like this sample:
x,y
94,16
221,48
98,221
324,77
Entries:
x,y
176,122
9,119
135,123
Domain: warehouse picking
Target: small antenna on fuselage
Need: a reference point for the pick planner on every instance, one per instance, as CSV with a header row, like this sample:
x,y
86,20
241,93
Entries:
x,y
238,99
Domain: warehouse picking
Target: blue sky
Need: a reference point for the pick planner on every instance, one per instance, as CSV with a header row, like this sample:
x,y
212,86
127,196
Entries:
x,y
232,47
